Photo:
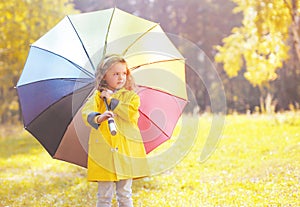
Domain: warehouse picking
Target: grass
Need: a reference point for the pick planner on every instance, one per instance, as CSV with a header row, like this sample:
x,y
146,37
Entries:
x,y
256,163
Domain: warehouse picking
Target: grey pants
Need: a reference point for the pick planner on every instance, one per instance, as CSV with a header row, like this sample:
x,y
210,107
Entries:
x,y
123,192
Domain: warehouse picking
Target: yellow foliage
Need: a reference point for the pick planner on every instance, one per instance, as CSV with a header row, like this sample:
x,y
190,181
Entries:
x,y
231,56
260,41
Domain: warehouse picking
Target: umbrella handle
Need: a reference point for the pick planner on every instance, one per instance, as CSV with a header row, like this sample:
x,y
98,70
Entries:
x,y
111,121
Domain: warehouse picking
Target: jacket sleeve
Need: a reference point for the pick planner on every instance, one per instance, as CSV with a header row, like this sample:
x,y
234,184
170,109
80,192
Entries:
x,y
127,109
89,111
91,119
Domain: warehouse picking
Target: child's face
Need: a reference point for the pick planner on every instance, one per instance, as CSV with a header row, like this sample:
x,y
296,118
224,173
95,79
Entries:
x,y
115,77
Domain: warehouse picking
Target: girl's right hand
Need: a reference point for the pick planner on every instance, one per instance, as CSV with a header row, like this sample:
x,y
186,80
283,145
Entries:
x,y
104,116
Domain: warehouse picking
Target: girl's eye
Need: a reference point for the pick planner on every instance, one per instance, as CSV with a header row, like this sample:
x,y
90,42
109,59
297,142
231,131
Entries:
x,y
117,74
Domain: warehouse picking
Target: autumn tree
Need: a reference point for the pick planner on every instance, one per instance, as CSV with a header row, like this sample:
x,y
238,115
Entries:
x,y
22,22
260,44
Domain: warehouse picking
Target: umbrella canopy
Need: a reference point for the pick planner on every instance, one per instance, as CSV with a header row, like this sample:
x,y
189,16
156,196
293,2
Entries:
x,y
58,77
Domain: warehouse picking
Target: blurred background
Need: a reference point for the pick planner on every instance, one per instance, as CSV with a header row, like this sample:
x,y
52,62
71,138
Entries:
x,y
254,45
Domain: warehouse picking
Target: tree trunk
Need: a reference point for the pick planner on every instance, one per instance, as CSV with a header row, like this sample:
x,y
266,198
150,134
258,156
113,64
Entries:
x,y
295,27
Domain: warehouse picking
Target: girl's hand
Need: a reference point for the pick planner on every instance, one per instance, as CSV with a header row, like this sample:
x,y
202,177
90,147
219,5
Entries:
x,y
107,114
105,94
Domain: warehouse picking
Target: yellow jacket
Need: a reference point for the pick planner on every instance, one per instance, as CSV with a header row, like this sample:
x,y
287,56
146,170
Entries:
x,y
123,156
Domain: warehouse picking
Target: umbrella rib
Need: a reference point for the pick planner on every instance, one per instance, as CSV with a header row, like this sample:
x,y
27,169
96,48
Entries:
x,y
87,87
76,65
106,36
154,62
142,86
82,44
63,79
140,37
154,124
83,100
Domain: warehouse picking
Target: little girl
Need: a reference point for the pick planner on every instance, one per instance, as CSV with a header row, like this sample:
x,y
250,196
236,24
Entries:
x,y
114,160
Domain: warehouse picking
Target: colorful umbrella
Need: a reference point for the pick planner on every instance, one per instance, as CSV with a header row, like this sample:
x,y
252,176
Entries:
x,y
58,77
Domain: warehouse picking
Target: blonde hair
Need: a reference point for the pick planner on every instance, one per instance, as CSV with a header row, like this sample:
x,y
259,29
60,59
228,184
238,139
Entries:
x,y
105,65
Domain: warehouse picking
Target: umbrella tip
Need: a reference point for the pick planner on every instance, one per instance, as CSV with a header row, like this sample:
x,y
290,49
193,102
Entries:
x,y
115,4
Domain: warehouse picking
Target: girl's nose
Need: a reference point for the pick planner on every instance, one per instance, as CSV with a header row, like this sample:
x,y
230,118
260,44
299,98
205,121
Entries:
x,y
121,77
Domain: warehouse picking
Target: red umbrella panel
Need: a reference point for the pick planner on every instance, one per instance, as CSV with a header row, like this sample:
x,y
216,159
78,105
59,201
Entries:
x,y
159,113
